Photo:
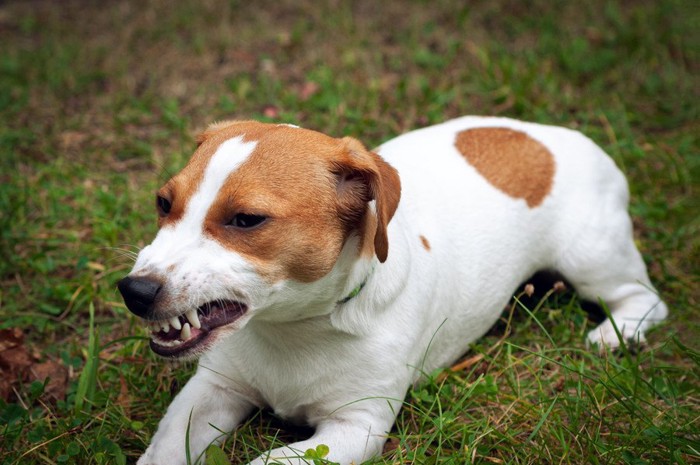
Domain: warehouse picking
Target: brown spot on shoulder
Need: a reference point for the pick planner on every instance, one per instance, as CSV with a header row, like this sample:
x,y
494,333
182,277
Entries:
x,y
510,160
425,242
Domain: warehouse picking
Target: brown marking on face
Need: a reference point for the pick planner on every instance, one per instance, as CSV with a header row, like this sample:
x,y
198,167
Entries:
x,y
510,160
181,187
425,242
313,189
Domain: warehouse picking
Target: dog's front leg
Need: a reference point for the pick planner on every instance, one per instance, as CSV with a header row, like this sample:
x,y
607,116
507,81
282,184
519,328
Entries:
x,y
348,440
201,414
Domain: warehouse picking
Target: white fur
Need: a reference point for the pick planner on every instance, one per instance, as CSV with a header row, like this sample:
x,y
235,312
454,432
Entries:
x,y
345,369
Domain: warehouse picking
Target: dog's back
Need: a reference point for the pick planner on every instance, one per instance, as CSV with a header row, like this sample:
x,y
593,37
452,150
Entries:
x,y
487,202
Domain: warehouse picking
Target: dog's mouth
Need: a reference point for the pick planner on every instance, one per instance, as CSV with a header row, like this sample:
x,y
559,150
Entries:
x,y
182,335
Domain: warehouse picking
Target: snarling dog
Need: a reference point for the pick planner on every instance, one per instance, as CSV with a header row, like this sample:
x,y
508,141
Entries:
x,y
320,279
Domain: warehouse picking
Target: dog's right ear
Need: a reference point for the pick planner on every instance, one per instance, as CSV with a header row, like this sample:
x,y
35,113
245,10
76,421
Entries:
x,y
213,128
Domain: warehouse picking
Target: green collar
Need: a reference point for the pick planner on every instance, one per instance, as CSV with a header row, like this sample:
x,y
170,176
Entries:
x,y
353,293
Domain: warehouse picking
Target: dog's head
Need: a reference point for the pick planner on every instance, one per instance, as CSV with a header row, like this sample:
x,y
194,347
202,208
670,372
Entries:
x,y
255,223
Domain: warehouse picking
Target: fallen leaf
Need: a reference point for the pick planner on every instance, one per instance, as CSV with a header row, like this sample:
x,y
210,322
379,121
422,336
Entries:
x,y
14,359
19,366
10,338
57,376
124,399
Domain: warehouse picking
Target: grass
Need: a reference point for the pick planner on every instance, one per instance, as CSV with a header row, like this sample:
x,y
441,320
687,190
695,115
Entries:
x,y
99,104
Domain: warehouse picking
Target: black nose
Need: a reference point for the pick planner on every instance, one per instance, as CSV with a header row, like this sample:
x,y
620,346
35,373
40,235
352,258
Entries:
x,y
139,294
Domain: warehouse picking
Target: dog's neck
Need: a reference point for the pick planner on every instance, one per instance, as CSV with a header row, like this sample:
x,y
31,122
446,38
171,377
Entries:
x,y
353,293
291,301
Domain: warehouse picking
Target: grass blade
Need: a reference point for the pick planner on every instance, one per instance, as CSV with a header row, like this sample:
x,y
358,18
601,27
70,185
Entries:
x,y
87,382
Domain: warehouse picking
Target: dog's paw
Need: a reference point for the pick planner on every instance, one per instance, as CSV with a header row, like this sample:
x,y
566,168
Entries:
x,y
150,461
161,457
605,335
160,461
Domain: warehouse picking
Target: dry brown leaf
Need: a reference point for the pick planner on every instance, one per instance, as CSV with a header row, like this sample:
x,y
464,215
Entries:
x,y
19,365
57,376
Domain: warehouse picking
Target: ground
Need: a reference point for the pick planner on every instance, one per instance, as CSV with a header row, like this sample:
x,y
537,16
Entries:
x,y
100,102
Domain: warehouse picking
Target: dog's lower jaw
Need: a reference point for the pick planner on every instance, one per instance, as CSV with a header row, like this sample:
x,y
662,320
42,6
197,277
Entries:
x,y
189,335
192,354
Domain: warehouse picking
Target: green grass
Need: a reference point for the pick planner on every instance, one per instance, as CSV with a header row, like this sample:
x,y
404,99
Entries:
x,y
99,104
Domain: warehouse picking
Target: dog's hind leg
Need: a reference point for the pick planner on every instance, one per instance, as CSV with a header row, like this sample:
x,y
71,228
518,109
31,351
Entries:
x,y
602,263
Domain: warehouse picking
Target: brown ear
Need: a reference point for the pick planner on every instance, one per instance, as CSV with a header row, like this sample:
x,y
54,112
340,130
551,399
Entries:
x,y
214,128
365,176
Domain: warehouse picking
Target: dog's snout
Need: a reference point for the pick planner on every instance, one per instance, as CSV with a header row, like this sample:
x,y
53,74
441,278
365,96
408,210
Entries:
x,y
139,294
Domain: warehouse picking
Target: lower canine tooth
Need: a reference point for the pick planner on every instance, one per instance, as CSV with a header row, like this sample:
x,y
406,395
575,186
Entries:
x,y
193,318
185,333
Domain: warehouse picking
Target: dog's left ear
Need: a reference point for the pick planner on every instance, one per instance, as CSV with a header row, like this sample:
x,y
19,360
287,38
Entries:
x,y
364,176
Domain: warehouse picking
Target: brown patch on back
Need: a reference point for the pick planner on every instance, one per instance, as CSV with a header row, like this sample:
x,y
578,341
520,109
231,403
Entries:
x,y
510,160
424,241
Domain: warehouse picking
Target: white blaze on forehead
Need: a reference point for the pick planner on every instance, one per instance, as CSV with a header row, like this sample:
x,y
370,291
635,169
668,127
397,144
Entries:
x,y
175,244
227,158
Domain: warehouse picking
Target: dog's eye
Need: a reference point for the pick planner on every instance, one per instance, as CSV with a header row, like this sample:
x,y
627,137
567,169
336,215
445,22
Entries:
x,y
246,221
163,205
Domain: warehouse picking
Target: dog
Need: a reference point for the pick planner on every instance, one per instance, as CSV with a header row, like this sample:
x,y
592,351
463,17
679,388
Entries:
x,y
318,278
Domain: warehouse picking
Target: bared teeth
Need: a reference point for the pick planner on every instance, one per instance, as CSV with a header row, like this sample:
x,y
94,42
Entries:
x,y
193,319
175,323
185,333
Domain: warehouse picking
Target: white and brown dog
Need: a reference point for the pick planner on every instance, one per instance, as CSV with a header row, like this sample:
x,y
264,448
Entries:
x,y
318,278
